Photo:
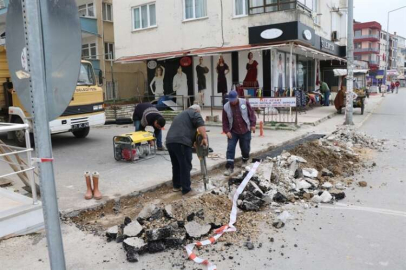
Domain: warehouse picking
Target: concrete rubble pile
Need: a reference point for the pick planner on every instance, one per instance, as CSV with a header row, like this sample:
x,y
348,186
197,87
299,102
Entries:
x,y
287,179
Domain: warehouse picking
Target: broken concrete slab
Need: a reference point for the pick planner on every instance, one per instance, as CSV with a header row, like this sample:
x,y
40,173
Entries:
x,y
158,234
168,211
310,172
132,257
135,244
252,187
338,196
196,230
327,172
280,198
340,186
156,246
147,211
302,184
133,229
298,159
327,185
326,197
111,233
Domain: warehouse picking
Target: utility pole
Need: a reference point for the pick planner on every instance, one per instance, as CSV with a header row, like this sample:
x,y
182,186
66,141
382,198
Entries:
x,y
350,65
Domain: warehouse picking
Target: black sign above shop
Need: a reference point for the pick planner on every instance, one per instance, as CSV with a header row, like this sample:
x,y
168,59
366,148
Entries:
x,y
293,31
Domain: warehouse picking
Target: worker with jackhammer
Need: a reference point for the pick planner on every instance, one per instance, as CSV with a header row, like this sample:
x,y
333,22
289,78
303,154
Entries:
x,y
146,114
179,141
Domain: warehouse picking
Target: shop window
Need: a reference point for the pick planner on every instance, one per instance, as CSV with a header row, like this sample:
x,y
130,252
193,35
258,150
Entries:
x,y
262,6
240,8
144,16
107,11
89,51
194,9
108,51
86,10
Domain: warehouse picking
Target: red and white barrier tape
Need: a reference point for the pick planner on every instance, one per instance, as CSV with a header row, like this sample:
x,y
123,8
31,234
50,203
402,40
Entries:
x,y
226,228
42,160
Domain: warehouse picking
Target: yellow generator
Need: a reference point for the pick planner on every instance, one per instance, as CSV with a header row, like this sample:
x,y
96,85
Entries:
x,y
134,146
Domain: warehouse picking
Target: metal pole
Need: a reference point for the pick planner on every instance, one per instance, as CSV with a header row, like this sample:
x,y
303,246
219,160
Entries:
x,y
350,65
290,68
212,85
38,88
113,84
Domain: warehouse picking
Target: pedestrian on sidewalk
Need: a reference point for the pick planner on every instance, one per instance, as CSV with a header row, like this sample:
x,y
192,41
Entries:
x,y
239,122
325,90
397,84
179,141
392,87
146,114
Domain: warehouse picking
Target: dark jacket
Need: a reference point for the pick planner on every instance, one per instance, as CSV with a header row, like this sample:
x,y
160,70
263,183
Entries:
x,y
139,112
183,128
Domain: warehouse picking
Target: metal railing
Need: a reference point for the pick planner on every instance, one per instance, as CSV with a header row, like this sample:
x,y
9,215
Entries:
x,y
376,50
367,36
120,108
266,113
25,170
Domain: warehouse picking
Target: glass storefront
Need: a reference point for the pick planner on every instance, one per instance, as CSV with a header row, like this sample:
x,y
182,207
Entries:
x,y
306,73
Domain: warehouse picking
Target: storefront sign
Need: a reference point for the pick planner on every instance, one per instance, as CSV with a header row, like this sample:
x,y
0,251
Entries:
x,y
152,64
271,33
307,34
185,61
272,102
327,45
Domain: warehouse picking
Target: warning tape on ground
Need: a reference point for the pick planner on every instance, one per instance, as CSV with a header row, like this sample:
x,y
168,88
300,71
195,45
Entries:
x,y
226,228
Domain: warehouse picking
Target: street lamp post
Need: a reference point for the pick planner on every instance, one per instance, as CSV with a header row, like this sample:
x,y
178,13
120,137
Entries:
x,y
387,45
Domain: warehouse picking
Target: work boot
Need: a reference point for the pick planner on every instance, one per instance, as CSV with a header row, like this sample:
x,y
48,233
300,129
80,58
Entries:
x,y
189,194
96,192
244,164
176,189
89,192
228,172
162,148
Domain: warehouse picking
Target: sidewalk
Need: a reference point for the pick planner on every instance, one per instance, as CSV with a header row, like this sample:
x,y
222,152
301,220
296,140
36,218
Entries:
x,y
73,157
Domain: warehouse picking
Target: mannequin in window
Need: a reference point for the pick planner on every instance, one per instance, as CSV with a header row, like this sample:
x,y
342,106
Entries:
x,y
180,86
159,82
222,70
252,72
201,71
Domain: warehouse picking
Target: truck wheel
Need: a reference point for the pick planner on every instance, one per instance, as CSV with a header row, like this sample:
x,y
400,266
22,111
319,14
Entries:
x,y
19,136
81,133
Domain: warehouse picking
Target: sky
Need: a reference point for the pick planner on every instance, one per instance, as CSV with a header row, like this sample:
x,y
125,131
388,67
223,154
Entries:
x,y
377,10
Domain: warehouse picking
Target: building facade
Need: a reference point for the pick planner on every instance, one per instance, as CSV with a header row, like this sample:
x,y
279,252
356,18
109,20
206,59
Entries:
x,y
304,38
367,39
98,47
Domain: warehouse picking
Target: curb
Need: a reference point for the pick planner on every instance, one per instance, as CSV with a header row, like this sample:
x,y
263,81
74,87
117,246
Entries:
x,y
318,122
70,213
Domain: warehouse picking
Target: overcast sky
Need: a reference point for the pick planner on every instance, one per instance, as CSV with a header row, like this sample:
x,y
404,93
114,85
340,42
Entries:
x,y
377,10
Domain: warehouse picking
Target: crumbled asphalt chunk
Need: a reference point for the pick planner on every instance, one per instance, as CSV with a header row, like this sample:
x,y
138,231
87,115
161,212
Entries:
x,y
249,245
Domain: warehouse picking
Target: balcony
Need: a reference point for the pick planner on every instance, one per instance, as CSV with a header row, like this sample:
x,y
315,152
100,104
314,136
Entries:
x,y
366,50
374,37
88,25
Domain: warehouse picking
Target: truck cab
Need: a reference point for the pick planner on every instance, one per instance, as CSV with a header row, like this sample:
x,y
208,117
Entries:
x,y
85,110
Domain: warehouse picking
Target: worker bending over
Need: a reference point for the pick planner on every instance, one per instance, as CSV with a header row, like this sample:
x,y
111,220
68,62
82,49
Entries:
x,y
179,141
239,122
146,114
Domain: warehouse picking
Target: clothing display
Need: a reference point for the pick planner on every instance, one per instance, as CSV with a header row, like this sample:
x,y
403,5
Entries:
x,y
252,74
221,79
201,77
180,87
300,98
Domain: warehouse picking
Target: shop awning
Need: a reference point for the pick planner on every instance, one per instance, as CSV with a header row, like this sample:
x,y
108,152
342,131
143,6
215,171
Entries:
x,y
401,77
392,72
298,49
159,56
343,72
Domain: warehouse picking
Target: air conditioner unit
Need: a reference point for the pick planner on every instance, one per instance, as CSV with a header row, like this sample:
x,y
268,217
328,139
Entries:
x,y
334,36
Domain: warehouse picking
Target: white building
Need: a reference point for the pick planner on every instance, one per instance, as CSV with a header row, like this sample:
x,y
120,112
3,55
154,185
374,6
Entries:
x,y
383,50
173,33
